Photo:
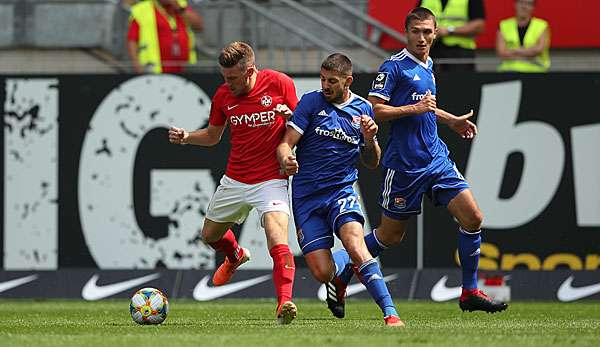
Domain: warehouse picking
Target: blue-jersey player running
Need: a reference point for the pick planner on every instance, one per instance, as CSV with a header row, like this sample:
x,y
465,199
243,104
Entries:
x,y
416,160
332,128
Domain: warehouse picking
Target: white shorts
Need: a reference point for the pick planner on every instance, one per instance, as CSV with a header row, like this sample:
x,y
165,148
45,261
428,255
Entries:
x,y
233,200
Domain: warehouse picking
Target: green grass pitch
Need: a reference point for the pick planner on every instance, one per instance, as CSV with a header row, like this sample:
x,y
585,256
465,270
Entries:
x,y
252,323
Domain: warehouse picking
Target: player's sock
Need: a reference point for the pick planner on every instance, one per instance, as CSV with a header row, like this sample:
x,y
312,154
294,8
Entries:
x,y
373,244
343,266
370,275
283,272
468,252
228,245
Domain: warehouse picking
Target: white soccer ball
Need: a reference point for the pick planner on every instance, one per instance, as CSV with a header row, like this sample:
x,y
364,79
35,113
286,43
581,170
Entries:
x,y
149,306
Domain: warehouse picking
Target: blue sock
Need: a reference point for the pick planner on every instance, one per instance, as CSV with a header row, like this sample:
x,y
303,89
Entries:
x,y
468,252
343,266
375,247
342,261
372,278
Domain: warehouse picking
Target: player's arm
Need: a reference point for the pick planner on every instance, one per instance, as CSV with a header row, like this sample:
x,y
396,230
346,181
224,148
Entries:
x,y
285,155
385,112
370,153
459,124
208,136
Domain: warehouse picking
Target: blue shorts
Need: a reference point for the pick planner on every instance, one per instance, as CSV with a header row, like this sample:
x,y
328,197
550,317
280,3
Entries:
x,y
319,215
402,193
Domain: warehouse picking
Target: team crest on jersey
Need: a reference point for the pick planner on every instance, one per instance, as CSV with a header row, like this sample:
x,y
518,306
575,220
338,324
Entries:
x,y
356,122
399,202
380,79
266,101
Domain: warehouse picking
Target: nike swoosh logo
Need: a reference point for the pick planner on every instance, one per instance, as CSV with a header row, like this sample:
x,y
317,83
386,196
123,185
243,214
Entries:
x,y
229,108
202,292
440,292
566,291
91,291
352,289
4,286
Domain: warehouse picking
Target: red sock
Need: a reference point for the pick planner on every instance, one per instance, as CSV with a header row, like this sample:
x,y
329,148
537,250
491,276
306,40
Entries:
x,y
228,245
283,272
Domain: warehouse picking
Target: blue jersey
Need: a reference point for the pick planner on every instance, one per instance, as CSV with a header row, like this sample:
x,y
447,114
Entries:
x,y
330,144
414,141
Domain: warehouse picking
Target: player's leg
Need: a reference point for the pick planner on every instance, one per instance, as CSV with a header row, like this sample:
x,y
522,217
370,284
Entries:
x,y
369,273
464,208
451,190
346,218
284,269
226,207
400,199
271,201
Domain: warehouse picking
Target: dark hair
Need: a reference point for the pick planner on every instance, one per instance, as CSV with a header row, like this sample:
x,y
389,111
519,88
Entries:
x,y
419,13
339,63
236,53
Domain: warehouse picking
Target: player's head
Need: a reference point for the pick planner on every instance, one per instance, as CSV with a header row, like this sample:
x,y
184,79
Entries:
x,y
237,67
420,27
524,8
336,78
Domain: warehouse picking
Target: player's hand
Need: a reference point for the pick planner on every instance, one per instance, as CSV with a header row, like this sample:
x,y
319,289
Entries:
x,y
283,110
290,165
178,135
427,104
368,127
463,126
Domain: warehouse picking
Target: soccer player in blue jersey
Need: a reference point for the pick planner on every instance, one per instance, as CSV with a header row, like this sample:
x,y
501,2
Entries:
x,y
332,128
416,160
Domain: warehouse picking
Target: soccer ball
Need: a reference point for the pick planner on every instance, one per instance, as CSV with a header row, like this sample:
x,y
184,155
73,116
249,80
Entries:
x,y
149,306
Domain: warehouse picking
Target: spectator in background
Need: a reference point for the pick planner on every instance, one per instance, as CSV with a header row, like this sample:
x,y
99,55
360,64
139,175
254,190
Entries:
x,y
523,41
459,23
160,37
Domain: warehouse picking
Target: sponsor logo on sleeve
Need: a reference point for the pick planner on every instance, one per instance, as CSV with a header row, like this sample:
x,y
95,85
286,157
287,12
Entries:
x,y
380,79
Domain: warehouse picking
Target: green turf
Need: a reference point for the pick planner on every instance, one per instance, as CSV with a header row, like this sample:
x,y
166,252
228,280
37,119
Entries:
x,y
251,323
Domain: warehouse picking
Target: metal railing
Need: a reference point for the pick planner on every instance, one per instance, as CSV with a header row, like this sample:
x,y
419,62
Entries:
x,y
377,27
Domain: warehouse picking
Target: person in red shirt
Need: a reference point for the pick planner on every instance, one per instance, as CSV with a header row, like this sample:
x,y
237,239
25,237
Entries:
x,y
173,22
256,104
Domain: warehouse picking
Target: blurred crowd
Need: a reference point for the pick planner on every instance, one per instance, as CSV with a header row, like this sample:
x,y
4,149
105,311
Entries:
x,y
160,36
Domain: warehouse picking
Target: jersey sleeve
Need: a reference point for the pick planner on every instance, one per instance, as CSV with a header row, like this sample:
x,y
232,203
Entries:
x,y
217,117
302,114
385,81
289,91
367,110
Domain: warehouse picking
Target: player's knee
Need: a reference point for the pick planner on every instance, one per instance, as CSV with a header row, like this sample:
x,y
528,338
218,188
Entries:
x,y
474,221
208,236
390,236
322,273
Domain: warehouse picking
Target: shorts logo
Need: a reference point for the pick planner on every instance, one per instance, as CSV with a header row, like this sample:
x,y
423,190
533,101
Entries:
x,y
277,202
379,82
356,122
399,202
266,101
299,235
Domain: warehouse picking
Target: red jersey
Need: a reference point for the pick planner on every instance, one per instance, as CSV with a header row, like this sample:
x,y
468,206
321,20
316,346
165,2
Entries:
x,y
173,42
255,130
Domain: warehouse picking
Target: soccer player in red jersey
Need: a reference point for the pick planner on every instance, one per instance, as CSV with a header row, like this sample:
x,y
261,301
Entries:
x,y
256,105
